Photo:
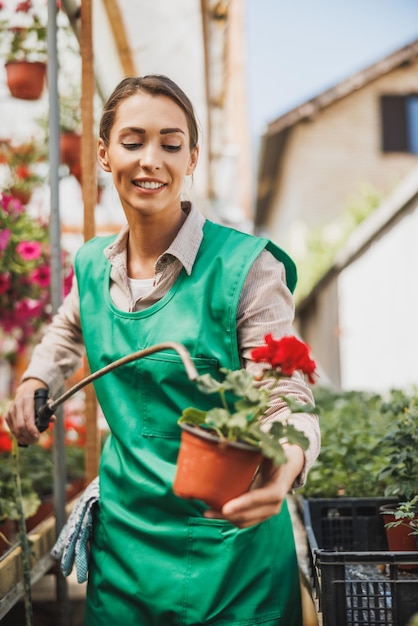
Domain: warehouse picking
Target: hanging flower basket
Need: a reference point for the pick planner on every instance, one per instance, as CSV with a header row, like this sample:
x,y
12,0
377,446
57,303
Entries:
x,y
26,79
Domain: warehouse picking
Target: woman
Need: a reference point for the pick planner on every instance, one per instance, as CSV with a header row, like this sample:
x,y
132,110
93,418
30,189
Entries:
x,y
171,275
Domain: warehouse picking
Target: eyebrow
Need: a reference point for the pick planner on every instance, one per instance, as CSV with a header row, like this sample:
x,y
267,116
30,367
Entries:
x,y
163,131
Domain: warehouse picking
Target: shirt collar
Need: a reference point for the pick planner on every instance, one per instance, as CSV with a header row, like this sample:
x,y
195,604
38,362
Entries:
x,y
184,247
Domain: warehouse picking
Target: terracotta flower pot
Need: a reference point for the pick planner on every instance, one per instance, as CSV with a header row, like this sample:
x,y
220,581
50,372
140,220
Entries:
x,y
20,194
25,79
70,146
399,537
213,471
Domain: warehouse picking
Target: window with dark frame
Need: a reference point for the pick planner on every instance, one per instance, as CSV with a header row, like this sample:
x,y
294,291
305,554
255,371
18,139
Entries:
x,y
399,116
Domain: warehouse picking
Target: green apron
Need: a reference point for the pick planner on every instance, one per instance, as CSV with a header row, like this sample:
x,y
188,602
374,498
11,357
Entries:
x,y
155,560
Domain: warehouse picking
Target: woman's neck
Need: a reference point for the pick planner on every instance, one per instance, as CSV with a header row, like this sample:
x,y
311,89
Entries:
x,y
147,240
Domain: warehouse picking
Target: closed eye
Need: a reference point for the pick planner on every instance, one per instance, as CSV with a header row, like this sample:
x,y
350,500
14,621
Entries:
x,y
131,146
172,148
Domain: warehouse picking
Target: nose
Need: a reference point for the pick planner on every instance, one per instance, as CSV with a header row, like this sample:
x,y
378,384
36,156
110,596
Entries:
x,y
150,156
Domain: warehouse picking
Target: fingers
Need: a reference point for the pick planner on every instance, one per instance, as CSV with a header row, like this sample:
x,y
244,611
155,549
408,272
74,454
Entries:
x,y
21,420
21,414
266,497
253,507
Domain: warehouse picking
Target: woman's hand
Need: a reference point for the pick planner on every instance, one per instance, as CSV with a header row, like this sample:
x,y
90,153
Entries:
x,y
266,496
21,415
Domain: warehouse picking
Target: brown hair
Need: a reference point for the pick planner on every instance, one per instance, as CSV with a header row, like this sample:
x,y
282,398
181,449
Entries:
x,y
155,85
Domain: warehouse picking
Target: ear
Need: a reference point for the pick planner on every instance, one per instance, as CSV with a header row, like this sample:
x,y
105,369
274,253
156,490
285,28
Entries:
x,y
102,155
194,156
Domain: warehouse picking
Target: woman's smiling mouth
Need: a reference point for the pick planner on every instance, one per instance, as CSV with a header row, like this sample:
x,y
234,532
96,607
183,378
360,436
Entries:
x,y
148,184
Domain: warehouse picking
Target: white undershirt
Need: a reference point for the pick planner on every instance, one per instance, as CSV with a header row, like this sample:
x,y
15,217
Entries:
x,y
140,287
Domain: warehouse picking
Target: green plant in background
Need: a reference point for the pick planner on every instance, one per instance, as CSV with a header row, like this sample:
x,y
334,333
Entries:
x,y
22,165
23,30
8,506
399,446
70,111
352,427
405,515
323,244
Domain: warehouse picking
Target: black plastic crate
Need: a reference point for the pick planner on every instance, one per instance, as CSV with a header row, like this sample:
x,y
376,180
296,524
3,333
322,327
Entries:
x,y
357,580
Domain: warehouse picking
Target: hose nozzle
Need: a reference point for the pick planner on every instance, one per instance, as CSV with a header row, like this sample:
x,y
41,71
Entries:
x,y
43,411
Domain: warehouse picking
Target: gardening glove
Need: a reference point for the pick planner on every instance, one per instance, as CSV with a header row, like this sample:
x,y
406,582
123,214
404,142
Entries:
x,y
72,545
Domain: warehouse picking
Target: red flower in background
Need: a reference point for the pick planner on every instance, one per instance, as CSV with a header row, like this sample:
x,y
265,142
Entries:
x,y
286,355
5,438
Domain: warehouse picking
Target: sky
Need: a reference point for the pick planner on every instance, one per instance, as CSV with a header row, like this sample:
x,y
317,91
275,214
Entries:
x,y
298,48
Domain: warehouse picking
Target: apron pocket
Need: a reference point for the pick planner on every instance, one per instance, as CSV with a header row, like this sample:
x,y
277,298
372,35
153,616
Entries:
x,y
231,577
168,380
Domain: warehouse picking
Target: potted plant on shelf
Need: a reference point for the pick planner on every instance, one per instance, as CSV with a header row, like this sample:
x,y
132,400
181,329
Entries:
x,y
221,448
22,167
24,46
70,127
400,474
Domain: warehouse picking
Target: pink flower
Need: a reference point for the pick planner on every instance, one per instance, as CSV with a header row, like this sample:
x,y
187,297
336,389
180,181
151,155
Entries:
x,y
41,276
29,250
68,281
11,204
4,238
5,283
27,309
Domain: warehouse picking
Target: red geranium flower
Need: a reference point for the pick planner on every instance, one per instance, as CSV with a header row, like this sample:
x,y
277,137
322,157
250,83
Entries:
x,y
287,355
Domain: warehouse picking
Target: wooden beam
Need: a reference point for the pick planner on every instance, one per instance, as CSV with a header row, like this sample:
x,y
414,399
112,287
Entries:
x,y
121,40
89,193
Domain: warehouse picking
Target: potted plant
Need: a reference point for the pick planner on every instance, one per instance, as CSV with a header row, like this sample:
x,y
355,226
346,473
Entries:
x,y
22,165
70,127
232,433
400,473
24,46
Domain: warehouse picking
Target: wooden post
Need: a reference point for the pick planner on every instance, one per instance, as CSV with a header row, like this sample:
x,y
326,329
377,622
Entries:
x,y
89,194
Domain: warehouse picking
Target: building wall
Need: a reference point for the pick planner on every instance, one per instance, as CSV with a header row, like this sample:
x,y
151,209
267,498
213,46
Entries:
x,y
361,323
378,312
330,157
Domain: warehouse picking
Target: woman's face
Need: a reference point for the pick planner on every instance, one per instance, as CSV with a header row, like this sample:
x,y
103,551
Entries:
x,y
148,154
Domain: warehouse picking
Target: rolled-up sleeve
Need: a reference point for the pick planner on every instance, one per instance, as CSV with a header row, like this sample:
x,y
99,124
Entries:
x,y
267,306
60,352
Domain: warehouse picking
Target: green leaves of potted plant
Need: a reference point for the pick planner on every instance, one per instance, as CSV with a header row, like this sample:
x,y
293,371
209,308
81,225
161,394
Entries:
x,y
24,45
232,432
401,471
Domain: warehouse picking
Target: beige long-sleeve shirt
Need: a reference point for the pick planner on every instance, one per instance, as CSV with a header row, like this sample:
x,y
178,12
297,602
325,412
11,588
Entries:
x,y
265,306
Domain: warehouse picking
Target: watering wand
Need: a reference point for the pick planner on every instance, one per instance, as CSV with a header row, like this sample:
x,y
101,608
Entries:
x,y
45,408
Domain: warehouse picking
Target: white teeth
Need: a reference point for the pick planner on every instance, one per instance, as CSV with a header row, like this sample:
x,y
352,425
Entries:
x,y
147,184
